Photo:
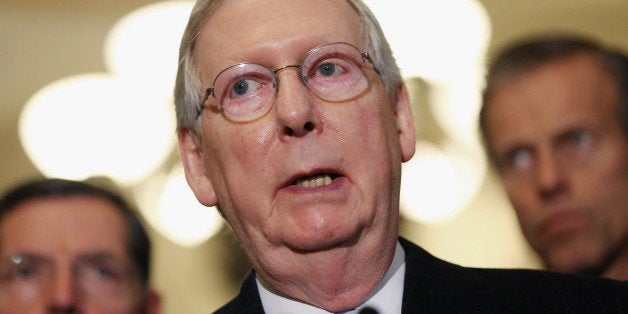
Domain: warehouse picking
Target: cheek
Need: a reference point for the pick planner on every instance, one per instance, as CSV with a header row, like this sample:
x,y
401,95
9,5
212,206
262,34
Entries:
x,y
121,306
237,147
373,130
611,173
611,201
238,158
520,187
608,162
523,199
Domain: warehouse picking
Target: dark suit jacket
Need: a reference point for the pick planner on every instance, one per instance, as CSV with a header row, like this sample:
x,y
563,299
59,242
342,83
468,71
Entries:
x,y
434,286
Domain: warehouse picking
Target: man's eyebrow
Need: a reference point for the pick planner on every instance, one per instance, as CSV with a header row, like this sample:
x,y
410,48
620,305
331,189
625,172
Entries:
x,y
24,255
98,255
27,256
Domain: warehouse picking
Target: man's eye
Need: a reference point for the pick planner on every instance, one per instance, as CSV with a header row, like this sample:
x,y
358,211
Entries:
x,y
24,268
580,138
240,87
101,272
330,70
327,69
519,158
24,271
244,87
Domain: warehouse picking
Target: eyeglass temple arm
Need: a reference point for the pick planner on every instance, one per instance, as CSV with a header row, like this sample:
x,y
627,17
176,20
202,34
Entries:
x,y
208,92
367,56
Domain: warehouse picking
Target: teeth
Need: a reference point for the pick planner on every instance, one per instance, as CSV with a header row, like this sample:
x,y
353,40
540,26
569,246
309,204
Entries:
x,y
314,181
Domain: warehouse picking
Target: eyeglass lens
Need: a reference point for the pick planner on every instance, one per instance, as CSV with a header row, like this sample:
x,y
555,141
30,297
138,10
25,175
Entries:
x,y
23,278
333,72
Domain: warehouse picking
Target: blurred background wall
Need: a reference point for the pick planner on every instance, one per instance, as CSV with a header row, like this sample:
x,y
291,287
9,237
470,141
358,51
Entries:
x,y
45,42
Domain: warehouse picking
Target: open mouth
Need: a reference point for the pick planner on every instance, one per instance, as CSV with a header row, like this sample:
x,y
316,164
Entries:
x,y
316,180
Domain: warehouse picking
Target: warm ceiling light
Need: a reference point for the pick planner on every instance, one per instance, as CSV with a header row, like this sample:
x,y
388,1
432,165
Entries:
x,y
438,182
176,213
120,123
143,46
435,40
444,43
93,125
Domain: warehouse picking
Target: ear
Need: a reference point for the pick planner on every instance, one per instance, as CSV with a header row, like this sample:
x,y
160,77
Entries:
x,y
405,124
153,302
190,148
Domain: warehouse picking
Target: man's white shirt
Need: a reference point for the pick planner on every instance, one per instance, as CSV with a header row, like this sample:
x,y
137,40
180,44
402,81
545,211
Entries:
x,y
385,299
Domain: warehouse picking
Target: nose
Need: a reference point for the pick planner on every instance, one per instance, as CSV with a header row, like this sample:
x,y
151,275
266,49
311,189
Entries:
x,y
295,110
63,293
550,176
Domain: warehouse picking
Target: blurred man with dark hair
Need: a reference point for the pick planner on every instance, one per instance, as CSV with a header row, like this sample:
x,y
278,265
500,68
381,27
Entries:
x,y
555,123
72,247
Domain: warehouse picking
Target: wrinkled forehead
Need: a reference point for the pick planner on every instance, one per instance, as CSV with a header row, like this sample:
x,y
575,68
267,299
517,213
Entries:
x,y
283,30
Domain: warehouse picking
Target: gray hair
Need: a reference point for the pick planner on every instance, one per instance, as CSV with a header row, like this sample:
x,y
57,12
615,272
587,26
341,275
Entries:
x,y
189,92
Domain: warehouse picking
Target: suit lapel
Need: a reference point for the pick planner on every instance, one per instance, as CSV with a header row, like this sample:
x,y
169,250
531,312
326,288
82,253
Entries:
x,y
247,301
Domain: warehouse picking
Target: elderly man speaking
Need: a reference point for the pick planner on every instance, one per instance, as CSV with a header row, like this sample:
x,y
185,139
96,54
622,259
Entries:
x,y
294,120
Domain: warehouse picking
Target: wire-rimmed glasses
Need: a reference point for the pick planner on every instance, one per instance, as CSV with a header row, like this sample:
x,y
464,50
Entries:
x,y
245,91
26,277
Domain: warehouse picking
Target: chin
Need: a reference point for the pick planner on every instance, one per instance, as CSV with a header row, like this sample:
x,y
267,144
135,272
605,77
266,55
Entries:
x,y
317,241
575,259
581,267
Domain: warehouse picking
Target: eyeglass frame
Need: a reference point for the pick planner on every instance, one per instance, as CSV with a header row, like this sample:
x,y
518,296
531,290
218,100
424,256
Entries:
x,y
210,91
128,272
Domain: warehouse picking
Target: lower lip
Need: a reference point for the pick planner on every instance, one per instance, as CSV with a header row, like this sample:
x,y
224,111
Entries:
x,y
334,185
562,224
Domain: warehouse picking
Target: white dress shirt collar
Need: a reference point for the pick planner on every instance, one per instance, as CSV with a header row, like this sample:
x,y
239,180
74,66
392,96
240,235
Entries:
x,y
385,299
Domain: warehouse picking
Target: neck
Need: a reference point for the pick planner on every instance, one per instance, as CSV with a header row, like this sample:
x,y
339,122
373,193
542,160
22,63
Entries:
x,y
618,268
336,280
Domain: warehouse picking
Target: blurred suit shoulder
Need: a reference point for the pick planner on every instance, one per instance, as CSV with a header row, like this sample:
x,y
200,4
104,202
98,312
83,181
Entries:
x,y
436,286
